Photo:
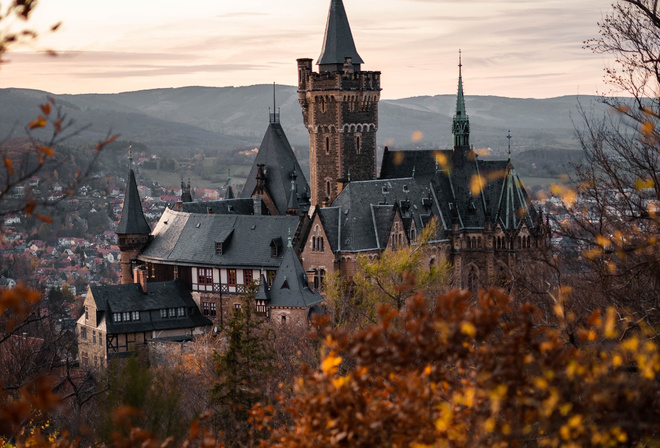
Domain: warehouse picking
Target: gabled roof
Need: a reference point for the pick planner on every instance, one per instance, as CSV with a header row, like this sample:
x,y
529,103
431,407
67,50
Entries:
x,y
338,41
290,288
189,239
279,162
132,218
503,199
160,295
361,217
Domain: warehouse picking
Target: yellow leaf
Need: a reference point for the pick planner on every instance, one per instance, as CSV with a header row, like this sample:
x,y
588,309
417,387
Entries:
x,y
647,128
477,184
40,122
330,363
644,184
468,329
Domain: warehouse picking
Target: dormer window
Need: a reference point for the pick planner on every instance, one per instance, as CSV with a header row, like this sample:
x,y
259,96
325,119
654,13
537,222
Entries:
x,y
218,248
275,247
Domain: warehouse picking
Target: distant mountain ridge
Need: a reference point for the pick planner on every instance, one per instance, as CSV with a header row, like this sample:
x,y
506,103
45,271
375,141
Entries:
x,y
222,118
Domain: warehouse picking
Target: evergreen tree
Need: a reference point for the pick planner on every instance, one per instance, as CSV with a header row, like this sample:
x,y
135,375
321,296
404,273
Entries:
x,y
244,374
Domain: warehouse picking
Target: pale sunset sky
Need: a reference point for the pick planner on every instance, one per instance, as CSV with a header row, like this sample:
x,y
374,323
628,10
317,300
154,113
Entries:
x,y
514,48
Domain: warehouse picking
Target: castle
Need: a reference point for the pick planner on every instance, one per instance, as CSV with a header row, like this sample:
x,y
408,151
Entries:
x,y
288,236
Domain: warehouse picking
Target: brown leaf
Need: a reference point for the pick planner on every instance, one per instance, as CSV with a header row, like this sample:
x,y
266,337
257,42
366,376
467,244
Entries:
x,y
40,122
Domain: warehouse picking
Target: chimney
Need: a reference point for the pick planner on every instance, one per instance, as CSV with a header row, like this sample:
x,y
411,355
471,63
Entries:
x,y
140,276
256,200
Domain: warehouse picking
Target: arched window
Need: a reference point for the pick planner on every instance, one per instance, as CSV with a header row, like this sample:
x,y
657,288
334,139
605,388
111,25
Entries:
x,y
327,145
472,280
357,144
327,188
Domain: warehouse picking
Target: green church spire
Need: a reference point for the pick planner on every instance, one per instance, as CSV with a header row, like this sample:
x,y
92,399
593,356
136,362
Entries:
x,y
461,124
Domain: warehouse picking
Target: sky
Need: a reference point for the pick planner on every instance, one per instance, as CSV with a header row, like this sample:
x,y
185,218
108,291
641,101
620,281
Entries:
x,y
512,48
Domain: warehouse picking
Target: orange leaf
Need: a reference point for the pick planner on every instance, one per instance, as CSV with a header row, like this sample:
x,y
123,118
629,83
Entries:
x,y
58,125
45,108
29,207
46,150
40,122
102,144
10,169
44,218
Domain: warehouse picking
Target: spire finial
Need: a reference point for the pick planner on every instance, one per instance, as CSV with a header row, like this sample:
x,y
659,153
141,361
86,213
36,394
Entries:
x,y
349,174
130,155
228,176
509,138
275,115
289,243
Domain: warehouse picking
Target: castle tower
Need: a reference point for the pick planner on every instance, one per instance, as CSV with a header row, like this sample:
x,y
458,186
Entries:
x,y
340,109
133,230
461,123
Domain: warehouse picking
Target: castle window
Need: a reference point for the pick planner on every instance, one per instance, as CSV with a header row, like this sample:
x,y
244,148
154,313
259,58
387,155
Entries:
x,y
231,277
86,313
321,248
322,102
218,248
126,317
100,339
136,315
213,309
327,145
247,276
313,243
83,333
171,312
237,306
205,308
327,188
205,276
413,234
357,144
180,312
94,337
163,313
322,278
283,319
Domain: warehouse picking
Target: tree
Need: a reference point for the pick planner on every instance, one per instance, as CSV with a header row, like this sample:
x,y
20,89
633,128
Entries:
x,y
486,374
244,374
614,220
386,280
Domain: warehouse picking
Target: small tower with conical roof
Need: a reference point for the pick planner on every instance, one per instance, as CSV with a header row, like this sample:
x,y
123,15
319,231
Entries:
x,y
133,230
340,109
461,123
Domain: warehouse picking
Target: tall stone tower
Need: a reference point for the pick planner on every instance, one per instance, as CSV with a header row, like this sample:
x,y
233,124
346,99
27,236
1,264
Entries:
x,y
133,230
340,110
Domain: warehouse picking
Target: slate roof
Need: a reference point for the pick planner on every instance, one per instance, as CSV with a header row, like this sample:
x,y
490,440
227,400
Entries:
x,y
160,295
132,218
361,217
279,162
189,239
502,201
338,41
236,206
290,288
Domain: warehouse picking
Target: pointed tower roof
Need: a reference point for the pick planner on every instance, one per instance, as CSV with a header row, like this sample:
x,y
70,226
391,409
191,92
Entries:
x,y
338,42
290,288
461,123
460,98
276,155
132,218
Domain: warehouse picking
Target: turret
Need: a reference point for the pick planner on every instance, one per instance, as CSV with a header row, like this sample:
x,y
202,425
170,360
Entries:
x,y
133,230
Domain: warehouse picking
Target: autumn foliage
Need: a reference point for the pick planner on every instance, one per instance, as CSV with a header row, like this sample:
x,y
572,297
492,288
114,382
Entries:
x,y
481,373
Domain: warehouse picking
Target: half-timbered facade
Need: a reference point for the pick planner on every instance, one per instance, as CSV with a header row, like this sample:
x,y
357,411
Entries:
x,y
120,319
